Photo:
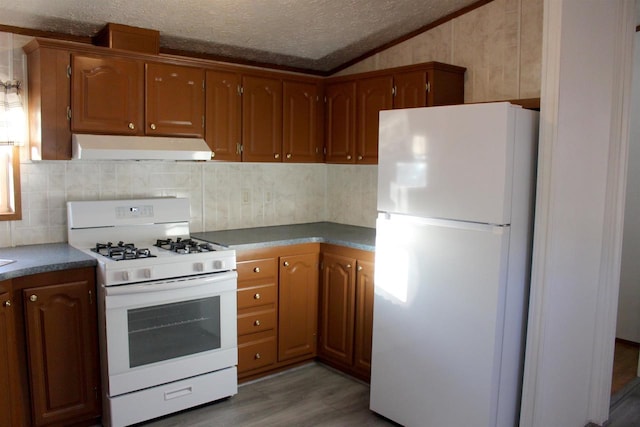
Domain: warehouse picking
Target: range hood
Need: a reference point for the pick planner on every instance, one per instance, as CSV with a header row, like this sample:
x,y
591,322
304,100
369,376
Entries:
x,y
118,147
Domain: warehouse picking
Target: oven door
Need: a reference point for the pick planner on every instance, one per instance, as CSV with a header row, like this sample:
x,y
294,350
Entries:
x,y
163,331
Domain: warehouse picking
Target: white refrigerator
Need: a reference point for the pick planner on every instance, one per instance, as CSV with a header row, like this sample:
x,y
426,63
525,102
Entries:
x,y
453,248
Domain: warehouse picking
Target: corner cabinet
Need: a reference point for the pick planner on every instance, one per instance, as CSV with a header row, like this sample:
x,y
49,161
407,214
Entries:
x,y
277,308
353,104
60,346
346,310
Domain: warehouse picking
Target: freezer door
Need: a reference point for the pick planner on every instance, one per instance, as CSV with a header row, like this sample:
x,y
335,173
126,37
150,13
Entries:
x,y
453,162
439,317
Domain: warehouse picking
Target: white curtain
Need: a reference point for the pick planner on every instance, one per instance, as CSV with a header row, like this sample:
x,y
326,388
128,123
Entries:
x,y
12,117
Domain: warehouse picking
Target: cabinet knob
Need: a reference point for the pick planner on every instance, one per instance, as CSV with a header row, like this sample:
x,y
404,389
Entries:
x,y
256,296
257,356
256,270
348,265
276,156
213,154
33,298
152,126
7,303
286,263
349,157
256,323
132,126
288,155
360,157
359,268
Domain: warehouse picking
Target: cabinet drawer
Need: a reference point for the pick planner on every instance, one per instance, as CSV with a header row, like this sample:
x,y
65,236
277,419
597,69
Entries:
x,y
256,354
256,269
256,296
256,321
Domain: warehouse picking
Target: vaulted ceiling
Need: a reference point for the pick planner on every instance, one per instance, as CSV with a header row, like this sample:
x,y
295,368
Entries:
x,y
316,35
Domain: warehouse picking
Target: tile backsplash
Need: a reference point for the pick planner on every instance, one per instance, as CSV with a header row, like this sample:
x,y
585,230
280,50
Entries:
x,y
222,195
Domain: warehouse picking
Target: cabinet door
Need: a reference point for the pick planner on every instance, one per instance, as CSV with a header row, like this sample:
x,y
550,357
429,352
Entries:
x,y
6,367
337,309
222,120
49,101
174,103
298,306
107,95
300,122
61,328
340,122
374,94
410,89
364,317
261,119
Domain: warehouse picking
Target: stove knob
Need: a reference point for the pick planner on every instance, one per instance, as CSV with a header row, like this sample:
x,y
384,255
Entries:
x,y
125,276
218,264
198,266
146,273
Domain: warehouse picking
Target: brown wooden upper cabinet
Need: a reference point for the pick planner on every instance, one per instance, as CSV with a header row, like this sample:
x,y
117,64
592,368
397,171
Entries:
x,y
223,115
353,104
262,118
302,127
340,121
112,95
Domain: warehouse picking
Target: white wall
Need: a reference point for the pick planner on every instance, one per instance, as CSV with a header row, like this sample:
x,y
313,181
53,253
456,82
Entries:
x,y
586,77
628,326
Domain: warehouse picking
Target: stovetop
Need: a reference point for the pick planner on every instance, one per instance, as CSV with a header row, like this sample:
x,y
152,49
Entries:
x,y
143,240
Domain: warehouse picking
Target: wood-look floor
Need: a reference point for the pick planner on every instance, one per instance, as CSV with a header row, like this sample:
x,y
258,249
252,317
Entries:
x,y
312,395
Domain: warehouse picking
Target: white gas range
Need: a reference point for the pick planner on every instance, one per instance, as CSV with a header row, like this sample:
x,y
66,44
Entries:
x,y
167,310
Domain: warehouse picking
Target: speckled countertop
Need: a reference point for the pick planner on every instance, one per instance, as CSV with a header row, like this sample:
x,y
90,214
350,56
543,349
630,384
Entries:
x,y
282,235
33,259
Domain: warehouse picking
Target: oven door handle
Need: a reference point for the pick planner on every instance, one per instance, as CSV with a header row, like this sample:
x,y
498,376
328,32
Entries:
x,y
223,281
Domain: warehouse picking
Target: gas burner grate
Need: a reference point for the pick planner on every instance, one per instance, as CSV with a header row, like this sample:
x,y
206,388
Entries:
x,y
184,246
121,251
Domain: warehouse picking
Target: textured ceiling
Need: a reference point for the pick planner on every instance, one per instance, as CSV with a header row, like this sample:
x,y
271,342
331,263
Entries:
x,y
308,34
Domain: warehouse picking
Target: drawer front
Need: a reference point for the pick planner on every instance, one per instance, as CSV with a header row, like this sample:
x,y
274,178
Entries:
x,y
256,354
256,321
256,296
260,269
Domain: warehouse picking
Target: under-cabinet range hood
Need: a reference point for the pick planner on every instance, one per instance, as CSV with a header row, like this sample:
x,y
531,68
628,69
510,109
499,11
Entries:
x,y
120,147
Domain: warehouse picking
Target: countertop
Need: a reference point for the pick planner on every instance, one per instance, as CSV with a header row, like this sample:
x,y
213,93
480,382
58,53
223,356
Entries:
x,y
282,235
34,259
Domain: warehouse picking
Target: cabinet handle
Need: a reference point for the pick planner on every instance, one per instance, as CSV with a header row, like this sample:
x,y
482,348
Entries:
x,y
257,356
33,298
256,270
359,268
360,157
286,263
349,157
256,296
288,155
348,265
152,126
256,323
7,303
132,126
213,154
276,156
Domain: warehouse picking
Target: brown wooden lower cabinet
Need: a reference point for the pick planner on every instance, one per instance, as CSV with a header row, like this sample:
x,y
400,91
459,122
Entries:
x,y
346,309
10,402
56,335
290,310
277,308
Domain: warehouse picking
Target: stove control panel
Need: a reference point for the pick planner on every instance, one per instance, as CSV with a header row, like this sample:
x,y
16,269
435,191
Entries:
x,y
141,211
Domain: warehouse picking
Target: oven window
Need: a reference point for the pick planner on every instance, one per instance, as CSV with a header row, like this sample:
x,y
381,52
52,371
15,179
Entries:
x,y
167,331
